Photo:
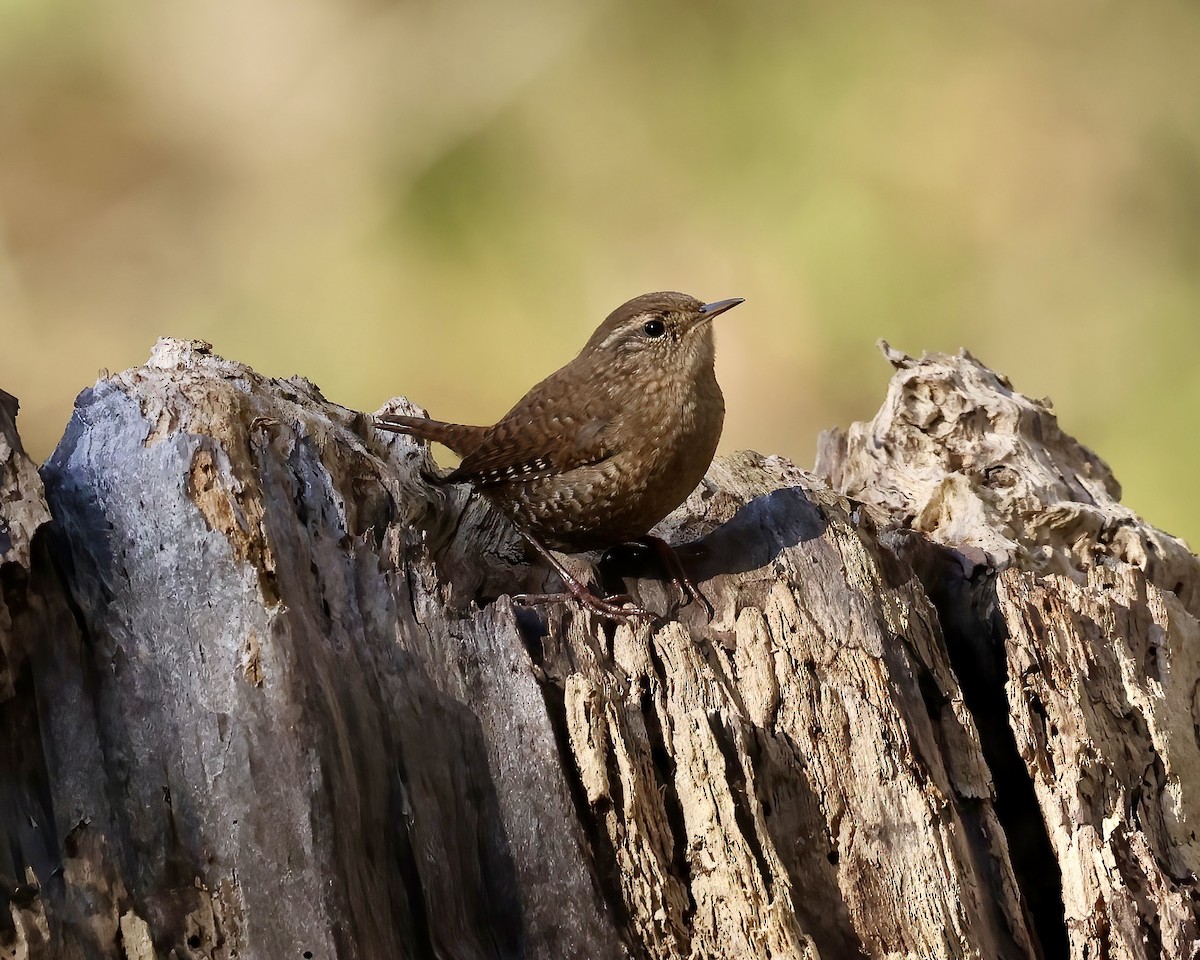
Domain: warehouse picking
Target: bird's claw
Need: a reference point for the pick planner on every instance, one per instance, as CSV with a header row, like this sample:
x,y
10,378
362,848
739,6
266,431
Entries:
x,y
619,607
678,576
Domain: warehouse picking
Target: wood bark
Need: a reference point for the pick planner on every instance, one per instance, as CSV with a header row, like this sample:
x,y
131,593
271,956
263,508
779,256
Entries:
x,y
263,695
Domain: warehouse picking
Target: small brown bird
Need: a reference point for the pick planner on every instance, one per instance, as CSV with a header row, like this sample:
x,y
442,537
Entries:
x,y
602,449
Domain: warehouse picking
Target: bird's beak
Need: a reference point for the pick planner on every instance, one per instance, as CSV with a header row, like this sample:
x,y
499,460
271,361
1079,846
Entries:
x,y
710,310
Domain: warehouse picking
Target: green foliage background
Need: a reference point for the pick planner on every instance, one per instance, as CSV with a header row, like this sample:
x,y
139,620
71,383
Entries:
x,y
443,199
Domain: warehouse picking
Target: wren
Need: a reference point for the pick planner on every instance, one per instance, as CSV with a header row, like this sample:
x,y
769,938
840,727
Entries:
x,y
601,450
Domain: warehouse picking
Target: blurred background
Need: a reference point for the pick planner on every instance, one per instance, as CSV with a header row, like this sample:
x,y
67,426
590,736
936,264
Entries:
x,y
444,199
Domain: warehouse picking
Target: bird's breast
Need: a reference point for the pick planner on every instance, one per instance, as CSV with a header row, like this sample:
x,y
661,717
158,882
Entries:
x,y
662,444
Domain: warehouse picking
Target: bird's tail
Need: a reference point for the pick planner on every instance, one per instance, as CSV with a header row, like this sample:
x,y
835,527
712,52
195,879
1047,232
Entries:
x,y
459,437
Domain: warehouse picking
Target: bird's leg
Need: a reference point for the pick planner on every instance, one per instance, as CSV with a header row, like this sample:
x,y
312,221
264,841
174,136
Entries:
x,y
608,607
673,567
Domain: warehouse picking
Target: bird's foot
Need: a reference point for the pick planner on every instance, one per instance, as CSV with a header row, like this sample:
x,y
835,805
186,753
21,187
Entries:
x,y
673,567
619,607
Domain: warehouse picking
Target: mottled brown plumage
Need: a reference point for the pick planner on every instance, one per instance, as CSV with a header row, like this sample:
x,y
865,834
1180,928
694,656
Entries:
x,y
602,449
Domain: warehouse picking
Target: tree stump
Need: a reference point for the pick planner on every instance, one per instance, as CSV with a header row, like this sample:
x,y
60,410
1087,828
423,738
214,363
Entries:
x,y
263,695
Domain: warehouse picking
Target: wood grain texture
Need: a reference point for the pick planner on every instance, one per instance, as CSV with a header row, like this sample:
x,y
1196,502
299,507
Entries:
x,y
24,512
276,702
1095,638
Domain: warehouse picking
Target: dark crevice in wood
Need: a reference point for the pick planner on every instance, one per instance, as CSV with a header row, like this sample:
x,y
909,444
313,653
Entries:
x,y
605,871
975,635
26,827
932,695
409,867
735,776
603,868
664,771
44,620
532,629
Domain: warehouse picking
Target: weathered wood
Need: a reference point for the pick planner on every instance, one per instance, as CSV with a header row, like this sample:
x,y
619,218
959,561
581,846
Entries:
x,y
277,704
23,512
1090,625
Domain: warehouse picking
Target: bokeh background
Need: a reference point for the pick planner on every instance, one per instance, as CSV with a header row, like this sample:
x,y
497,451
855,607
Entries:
x,y
443,199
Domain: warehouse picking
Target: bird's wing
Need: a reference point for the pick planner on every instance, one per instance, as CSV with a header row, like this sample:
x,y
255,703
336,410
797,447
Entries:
x,y
536,439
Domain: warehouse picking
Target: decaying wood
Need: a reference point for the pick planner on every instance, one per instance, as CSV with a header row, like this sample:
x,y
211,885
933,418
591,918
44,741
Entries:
x,y
1096,639
264,696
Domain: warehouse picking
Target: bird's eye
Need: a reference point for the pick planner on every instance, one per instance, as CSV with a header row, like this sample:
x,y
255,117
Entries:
x,y
654,328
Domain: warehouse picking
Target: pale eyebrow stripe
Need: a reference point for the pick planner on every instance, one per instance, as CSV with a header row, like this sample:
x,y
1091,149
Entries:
x,y
621,331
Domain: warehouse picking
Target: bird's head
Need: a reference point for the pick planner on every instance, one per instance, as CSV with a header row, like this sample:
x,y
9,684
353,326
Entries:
x,y
669,333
